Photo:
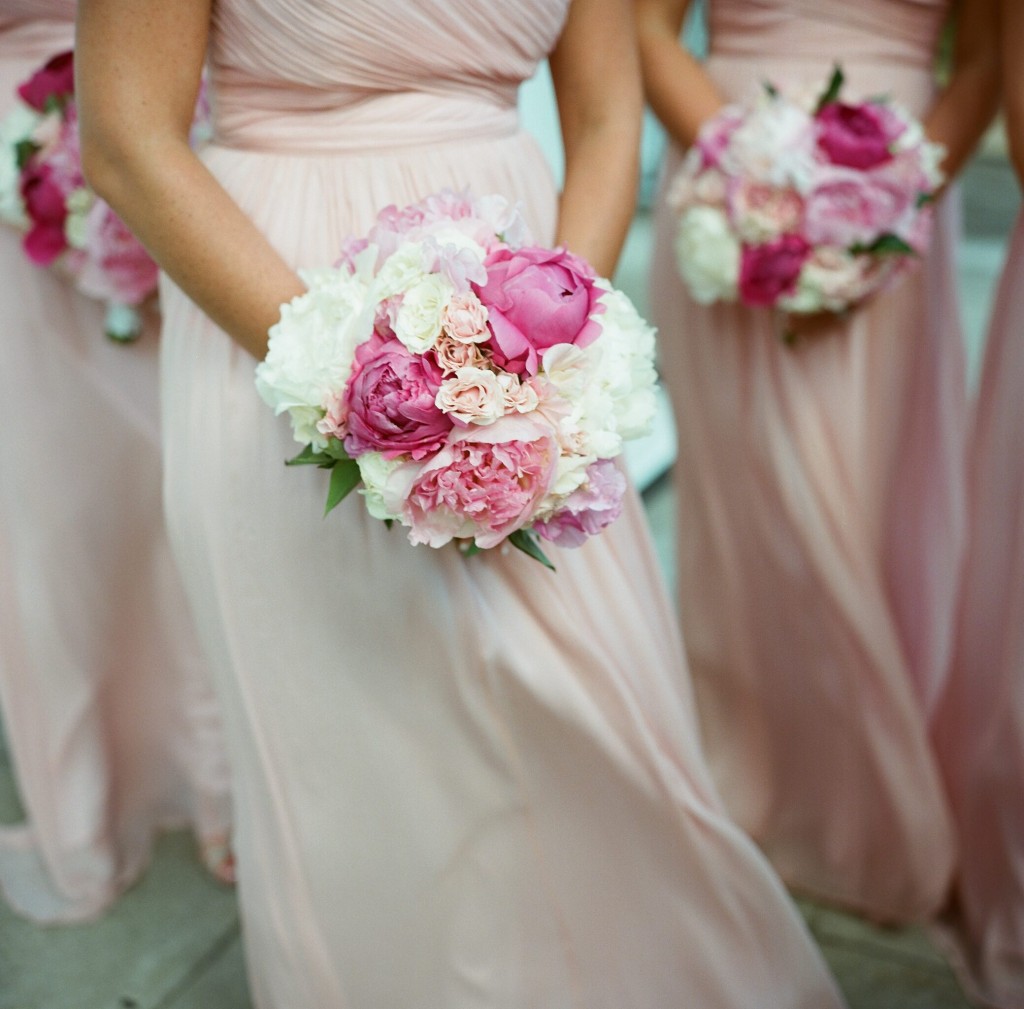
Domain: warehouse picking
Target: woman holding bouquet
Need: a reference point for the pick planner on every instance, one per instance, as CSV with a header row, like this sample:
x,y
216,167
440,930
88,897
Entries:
x,y
460,781
109,715
820,481
979,728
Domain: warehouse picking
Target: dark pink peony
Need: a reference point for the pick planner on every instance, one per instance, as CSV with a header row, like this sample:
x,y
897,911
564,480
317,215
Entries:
x,y
537,298
858,136
47,211
55,80
389,401
770,271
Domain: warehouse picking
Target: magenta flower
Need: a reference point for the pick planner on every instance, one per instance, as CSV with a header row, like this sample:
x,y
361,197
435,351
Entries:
x,y
389,401
537,298
47,212
770,271
55,80
858,136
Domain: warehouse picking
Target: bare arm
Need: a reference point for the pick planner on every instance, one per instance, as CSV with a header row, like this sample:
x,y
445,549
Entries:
x,y
600,104
1011,28
678,89
138,65
965,108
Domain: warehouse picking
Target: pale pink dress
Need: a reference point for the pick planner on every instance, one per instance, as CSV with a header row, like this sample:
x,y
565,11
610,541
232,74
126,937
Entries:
x,y
460,782
820,511
108,713
979,731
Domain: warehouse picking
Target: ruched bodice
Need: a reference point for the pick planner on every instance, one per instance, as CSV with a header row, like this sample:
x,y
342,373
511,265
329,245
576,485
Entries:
x,y
35,29
884,46
317,75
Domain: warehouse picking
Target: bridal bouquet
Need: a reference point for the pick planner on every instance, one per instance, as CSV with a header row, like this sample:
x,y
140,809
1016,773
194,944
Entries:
x,y
477,386
805,206
44,193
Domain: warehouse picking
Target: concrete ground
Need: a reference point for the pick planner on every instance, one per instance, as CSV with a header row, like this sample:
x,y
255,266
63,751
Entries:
x,y
173,941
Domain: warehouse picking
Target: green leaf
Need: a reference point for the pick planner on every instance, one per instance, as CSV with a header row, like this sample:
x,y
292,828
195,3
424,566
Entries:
x,y
309,456
527,542
886,245
336,450
771,90
835,85
923,199
24,151
468,548
344,479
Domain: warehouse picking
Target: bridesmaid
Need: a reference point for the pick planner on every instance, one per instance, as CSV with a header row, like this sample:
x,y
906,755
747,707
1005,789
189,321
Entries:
x,y
109,720
979,728
461,782
820,486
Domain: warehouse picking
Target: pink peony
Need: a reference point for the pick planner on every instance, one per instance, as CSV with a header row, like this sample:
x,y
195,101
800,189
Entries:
x,y
485,483
389,401
759,211
537,298
47,211
115,265
714,136
770,271
848,208
589,509
858,136
54,81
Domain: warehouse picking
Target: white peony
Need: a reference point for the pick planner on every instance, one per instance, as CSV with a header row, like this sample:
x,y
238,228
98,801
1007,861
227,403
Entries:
x,y
775,144
386,483
19,125
419,316
312,346
708,254
624,363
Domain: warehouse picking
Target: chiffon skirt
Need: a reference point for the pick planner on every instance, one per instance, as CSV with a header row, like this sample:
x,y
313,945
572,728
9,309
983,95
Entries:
x,y
460,782
820,530
979,730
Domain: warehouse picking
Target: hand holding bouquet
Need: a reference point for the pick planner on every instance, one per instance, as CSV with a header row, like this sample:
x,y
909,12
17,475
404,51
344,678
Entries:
x,y
477,386
43,192
806,208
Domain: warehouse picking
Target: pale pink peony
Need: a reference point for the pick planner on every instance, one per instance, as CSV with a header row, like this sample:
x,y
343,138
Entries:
x,y
389,401
114,266
770,271
848,208
759,211
588,510
714,136
484,484
537,298
858,136
465,319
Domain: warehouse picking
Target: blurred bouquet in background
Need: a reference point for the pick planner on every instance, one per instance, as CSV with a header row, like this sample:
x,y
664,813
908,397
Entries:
x,y
477,386
805,207
44,193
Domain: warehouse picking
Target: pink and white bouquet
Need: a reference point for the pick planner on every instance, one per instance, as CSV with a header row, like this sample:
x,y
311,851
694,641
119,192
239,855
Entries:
x,y
807,206
476,385
44,193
